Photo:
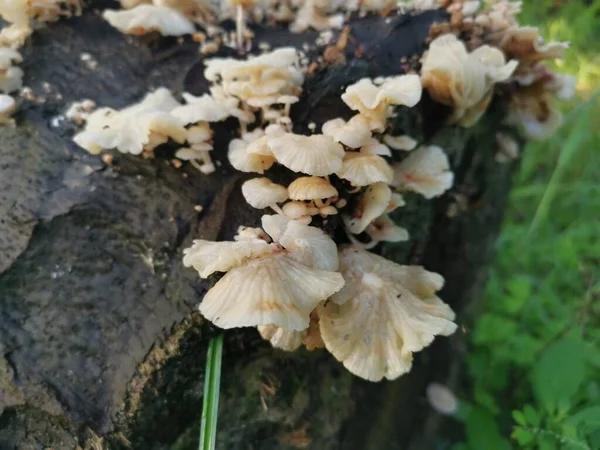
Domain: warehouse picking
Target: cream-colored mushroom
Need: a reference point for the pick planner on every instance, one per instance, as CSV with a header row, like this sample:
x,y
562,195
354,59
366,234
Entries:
x,y
7,107
240,20
251,234
251,153
527,46
404,142
199,156
463,80
14,36
11,78
363,169
310,15
312,189
371,204
426,171
373,101
262,193
384,229
268,284
354,134
197,109
143,19
383,314
313,155
139,127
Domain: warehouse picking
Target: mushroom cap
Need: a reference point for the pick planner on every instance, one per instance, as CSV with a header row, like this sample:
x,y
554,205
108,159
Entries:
x,y
441,398
7,104
144,18
400,142
295,210
311,188
354,134
527,45
281,338
244,161
374,147
262,192
11,80
199,133
314,155
204,108
208,257
378,319
383,228
372,204
275,290
426,171
8,57
362,169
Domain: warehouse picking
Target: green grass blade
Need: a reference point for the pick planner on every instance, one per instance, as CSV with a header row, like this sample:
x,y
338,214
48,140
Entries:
x,y
210,404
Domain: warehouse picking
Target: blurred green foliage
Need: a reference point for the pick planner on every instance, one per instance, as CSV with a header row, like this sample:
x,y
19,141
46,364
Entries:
x,y
534,362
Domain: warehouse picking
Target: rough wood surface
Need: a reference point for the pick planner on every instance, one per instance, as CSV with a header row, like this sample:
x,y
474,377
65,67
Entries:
x,y
97,334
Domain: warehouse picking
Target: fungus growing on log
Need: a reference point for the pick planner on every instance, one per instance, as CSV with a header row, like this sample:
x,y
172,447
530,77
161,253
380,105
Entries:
x,y
130,230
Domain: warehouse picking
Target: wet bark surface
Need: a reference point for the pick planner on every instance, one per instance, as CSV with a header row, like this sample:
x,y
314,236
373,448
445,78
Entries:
x,y
97,330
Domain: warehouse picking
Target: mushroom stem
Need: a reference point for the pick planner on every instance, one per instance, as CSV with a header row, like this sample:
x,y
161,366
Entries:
x,y
319,203
286,109
240,25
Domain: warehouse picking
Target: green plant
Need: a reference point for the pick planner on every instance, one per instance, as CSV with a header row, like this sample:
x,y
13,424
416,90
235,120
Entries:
x,y
210,404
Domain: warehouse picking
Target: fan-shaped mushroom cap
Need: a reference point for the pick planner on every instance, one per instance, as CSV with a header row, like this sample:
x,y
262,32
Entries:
x,y
362,169
400,142
381,315
142,19
261,192
295,210
251,153
281,338
372,204
8,57
426,171
314,155
131,130
456,78
208,257
204,108
311,188
384,229
199,133
354,134
372,101
274,290
310,245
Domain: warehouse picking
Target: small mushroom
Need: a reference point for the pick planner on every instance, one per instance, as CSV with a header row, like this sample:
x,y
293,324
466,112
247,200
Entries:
x,y
7,107
354,134
373,101
383,229
426,171
404,142
312,189
262,193
371,204
314,155
363,169
143,19
281,338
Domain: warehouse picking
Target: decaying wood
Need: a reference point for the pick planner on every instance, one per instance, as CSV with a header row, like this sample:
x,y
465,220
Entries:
x,y
97,333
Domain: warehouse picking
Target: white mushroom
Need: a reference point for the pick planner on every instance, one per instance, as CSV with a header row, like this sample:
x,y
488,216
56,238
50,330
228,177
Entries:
x,y
354,134
312,188
383,229
7,107
374,101
383,314
268,284
197,109
404,142
371,204
363,169
143,19
314,155
426,171
262,193
139,127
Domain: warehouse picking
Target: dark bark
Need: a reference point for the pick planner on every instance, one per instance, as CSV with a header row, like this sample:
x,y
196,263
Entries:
x,y
98,334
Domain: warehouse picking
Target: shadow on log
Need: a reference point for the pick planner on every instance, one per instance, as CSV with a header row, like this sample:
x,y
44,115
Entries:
x,y
97,331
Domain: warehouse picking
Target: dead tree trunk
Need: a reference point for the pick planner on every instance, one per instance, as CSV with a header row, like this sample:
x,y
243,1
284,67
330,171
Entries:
x,y
97,329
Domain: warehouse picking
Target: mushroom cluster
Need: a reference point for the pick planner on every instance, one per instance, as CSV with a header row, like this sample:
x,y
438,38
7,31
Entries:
x,y
289,278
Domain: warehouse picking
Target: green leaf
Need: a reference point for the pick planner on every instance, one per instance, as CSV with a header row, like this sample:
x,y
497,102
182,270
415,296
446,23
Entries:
x,y
519,417
531,415
492,328
523,437
589,416
483,431
559,373
519,291
210,404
